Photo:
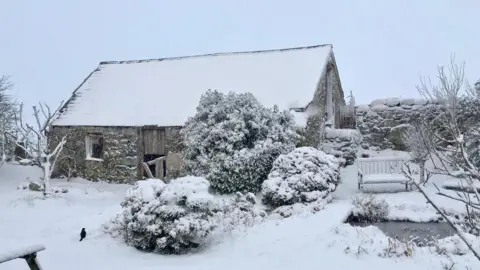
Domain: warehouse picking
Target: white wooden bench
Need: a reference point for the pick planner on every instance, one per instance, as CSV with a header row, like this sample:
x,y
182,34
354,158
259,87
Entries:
x,y
381,170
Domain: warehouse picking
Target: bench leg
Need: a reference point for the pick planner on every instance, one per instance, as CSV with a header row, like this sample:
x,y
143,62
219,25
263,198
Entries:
x,y
32,261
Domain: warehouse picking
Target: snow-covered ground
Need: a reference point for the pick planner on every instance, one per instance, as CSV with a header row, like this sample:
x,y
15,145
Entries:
x,y
404,205
317,241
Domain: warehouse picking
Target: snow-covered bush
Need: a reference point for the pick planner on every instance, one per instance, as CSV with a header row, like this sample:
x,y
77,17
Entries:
x,y
8,108
369,208
301,176
34,186
455,245
476,86
240,212
398,248
233,140
167,218
177,217
472,145
299,209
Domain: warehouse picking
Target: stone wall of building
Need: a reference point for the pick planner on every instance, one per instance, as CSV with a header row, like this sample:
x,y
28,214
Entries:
x,y
119,155
174,159
119,162
316,110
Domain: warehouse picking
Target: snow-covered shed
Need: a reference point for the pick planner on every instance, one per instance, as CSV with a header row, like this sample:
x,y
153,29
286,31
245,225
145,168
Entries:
x,y
128,112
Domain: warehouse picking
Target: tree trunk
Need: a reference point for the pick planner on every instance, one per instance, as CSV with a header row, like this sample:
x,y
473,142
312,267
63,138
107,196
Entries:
x,y
46,178
4,156
422,172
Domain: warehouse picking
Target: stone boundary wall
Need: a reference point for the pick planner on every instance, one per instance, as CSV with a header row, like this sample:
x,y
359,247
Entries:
x,y
342,143
383,121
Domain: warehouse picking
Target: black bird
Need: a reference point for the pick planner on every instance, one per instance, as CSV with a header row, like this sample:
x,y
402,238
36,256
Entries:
x,y
83,234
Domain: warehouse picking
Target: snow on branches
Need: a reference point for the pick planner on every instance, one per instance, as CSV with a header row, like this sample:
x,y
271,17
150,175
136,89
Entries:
x,y
233,140
447,139
8,108
304,175
177,217
34,139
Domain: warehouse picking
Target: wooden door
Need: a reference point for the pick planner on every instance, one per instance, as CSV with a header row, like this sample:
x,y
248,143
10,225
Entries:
x,y
154,141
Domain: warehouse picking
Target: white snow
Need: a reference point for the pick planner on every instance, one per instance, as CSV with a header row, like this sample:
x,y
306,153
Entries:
x,y
310,241
411,206
396,101
300,118
7,255
384,177
352,134
165,92
303,175
458,183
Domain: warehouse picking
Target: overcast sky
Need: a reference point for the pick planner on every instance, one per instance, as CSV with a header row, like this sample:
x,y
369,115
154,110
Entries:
x,y
381,46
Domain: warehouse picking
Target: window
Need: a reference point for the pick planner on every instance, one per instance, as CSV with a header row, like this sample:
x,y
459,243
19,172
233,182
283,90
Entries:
x,y
94,146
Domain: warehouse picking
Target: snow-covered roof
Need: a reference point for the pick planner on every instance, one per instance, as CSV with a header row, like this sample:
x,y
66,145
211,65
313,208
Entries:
x,y
165,92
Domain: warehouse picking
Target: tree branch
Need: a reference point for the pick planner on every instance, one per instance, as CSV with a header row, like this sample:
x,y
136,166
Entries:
x,y
449,221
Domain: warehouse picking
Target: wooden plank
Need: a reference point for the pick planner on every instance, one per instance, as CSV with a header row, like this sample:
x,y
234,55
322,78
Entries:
x,y
154,141
386,182
147,170
152,162
159,167
140,154
379,166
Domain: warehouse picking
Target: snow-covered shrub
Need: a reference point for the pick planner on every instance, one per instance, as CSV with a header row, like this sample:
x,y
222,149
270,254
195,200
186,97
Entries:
x,y
397,248
455,245
25,162
233,140
369,208
301,176
34,186
167,218
240,212
476,87
472,145
468,123
299,209
22,186
59,190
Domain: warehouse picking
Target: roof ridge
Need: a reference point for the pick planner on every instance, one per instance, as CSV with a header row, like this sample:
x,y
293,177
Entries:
x,y
212,54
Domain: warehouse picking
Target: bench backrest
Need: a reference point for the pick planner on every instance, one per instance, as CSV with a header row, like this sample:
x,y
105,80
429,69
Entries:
x,y
381,165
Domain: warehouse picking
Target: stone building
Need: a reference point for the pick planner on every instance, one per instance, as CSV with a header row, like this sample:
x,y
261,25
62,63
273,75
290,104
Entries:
x,y
126,113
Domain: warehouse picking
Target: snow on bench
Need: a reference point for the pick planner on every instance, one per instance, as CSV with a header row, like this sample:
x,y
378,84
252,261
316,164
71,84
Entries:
x,y
29,253
461,185
381,170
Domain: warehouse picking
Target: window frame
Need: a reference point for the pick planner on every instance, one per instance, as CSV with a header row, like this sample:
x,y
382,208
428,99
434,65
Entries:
x,y
89,146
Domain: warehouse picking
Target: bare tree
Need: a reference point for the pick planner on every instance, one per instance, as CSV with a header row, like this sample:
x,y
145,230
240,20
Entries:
x,y
8,108
38,148
443,138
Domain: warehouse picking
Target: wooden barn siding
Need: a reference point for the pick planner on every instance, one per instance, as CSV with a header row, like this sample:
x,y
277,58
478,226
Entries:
x,y
151,140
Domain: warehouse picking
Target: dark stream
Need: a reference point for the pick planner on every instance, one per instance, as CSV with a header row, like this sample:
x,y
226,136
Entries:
x,y
421,233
